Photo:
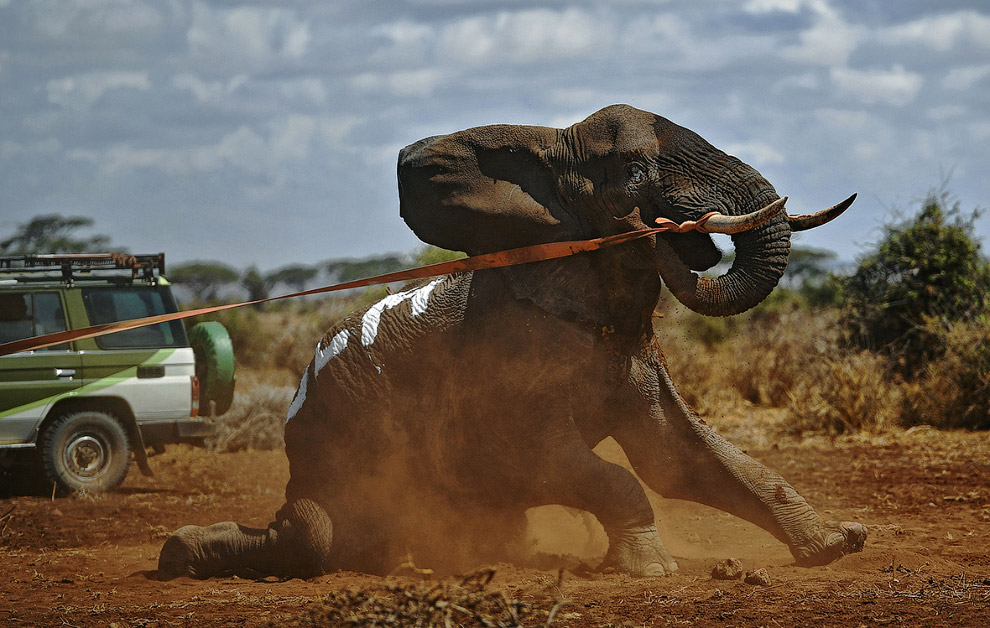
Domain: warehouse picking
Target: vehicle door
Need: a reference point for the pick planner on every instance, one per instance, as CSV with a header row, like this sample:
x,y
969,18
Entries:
x,y
31,381
149,367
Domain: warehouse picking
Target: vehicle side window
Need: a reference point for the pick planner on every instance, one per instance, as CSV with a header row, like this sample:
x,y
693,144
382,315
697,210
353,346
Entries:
x,y
26,315
48,315
15,317
108,305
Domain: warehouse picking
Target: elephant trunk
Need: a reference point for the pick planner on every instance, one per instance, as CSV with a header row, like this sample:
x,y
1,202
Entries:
x,y
761,257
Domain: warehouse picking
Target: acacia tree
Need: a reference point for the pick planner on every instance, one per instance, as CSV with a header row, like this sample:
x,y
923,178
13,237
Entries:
x,y
54,233
257,285
294,276
203,279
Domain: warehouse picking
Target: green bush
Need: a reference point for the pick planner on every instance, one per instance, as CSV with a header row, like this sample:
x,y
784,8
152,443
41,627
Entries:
x,y
928,267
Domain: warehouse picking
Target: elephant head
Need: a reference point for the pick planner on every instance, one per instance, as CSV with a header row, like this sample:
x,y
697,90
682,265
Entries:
x,y
496,187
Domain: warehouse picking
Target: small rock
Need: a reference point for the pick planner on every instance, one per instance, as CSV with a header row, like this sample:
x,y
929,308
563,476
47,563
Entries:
x,y
728,569
758,576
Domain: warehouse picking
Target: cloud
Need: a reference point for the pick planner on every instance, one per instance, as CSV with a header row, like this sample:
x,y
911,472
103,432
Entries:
x,y
942,32
895,87
807,81
288,140
528,36
208,91
676,43
770,6
946,112
402,83
845,120
97,22
410,42
758,153
303,90
79,92
965,77
242,148
247,36
829,41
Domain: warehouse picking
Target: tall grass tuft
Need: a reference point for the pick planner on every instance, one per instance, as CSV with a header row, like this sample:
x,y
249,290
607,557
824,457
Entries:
x,y
255,420
845,393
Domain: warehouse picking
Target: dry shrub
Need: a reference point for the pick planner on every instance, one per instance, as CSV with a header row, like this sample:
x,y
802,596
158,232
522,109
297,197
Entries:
x,y
426,605
760,358
953,390
773,354
782,357
256,419
845,393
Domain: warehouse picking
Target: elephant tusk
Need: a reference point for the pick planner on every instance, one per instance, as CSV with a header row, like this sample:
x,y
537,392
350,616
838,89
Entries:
x,y
804,222
714,222
720,223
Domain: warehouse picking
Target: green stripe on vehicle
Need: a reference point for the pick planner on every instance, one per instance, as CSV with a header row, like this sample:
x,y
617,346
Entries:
x,y
130,372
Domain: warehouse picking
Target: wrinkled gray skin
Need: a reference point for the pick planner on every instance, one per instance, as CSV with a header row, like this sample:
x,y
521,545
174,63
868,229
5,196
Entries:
x,y
431,421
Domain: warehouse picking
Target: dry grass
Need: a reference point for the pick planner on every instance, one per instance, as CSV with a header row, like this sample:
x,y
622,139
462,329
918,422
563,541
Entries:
x,y
844,394
256,419
788,358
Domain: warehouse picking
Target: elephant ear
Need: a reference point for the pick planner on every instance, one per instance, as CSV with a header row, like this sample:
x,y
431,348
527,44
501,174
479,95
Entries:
x,y
482,190
493,188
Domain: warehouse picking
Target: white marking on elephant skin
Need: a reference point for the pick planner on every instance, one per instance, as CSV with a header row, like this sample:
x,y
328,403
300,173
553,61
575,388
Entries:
x,y
333,348
300,398
419,299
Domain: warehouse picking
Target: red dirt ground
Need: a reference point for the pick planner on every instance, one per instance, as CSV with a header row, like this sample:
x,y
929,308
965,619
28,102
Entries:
x,y
925,496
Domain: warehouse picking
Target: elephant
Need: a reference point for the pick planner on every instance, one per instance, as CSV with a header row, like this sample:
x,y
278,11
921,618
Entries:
x,y
430,421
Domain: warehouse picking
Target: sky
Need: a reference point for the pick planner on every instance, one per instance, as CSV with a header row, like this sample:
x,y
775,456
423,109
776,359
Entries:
x,y
267,133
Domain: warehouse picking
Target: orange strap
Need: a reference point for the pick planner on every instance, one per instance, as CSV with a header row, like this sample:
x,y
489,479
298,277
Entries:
x,y
523,255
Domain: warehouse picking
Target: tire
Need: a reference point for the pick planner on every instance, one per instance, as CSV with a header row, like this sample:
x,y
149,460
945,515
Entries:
x,y
85,452
214,365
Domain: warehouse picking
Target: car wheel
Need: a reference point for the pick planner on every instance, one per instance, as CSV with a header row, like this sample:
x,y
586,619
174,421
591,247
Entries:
x,y
214,365
86,452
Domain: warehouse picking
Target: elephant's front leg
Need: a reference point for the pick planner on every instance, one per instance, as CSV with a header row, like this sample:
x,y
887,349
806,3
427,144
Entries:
x,y
681,457
568,473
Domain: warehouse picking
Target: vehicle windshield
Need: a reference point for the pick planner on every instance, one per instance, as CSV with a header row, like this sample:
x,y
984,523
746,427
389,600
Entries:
x,y
109,305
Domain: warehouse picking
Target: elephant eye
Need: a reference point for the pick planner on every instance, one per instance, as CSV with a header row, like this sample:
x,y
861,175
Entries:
x,y
635,173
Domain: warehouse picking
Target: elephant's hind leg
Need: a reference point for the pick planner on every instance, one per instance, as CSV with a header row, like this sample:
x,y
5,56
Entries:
x,y
297,543
572,475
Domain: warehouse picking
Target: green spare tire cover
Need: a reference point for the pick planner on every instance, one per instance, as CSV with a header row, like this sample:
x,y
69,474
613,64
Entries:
x,y
214,365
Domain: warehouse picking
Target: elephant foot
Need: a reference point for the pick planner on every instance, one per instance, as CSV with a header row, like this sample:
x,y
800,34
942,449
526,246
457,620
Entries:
x,y
835,540
305,534
638,552
296,544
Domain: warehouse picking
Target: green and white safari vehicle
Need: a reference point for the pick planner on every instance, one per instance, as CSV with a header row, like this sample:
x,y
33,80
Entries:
x,y
79,410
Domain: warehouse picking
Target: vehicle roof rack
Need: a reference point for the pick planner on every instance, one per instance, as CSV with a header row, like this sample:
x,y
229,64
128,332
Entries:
x,y
72,264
